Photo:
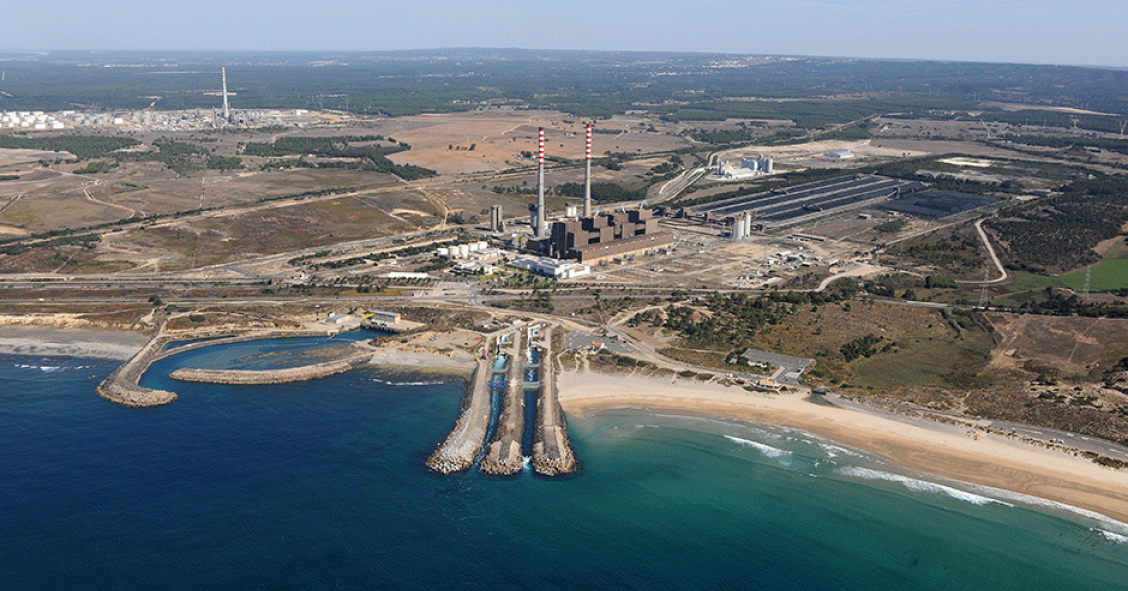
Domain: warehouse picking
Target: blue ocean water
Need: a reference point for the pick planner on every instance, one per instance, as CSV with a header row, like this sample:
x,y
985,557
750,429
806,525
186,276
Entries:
x,y
321,485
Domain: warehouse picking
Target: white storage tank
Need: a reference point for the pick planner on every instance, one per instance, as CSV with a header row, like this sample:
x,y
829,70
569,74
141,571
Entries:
x,y
443,253
482,245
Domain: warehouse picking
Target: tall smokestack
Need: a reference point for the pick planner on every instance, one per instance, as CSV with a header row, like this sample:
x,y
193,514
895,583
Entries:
x,y
587,176
226,110
538,232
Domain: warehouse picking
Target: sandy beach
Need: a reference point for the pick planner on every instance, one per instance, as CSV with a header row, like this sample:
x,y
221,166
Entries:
x,y
925,446
70,342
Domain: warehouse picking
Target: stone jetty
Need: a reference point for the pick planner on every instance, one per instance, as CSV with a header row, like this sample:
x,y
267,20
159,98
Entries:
x,y
122,385
552,451
465,441
271,376
504,456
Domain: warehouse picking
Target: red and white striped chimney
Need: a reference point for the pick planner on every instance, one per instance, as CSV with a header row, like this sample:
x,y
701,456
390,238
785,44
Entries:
x,y
587,175
539,220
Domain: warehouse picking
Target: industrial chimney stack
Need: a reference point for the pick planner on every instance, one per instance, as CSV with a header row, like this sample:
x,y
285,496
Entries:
x,y
226,109
538,231
587,176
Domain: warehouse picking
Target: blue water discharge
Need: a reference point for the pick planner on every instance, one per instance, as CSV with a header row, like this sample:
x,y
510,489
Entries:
x,y
322,485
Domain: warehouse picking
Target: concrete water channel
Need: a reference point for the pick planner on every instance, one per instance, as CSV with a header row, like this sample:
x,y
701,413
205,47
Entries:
x,y
513,418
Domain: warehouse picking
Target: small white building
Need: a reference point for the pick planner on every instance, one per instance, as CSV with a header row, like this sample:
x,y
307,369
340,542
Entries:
x,y
338,318
549,267
384,317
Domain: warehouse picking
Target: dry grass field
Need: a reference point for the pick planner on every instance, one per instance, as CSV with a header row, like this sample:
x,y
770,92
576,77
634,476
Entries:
x,y
442,142
1060,347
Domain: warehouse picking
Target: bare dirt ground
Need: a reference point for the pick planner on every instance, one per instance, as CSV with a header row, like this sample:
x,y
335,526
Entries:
x,y
14,161
1057,345
442,142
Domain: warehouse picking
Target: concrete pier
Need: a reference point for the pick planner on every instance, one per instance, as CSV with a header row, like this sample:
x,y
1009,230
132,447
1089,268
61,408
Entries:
x,y
552,451
465,441
504,453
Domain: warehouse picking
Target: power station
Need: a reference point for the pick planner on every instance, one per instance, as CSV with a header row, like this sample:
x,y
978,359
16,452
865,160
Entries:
x,y
592,237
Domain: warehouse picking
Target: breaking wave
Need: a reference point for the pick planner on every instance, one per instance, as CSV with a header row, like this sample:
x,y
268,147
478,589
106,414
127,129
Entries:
x,y
918,485
767,450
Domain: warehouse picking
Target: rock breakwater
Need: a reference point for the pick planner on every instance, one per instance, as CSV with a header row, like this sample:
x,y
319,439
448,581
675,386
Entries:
x,y
552,451
503,457
122,385
459,450
270,376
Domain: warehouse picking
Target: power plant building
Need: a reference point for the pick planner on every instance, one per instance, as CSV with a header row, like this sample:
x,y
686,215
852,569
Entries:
x,y
608,235
747,168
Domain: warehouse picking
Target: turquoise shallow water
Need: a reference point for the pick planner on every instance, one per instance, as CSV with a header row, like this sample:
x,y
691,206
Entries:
x,y
321,485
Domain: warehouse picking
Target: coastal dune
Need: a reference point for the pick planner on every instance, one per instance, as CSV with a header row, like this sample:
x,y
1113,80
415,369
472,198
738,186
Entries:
x,y
922,445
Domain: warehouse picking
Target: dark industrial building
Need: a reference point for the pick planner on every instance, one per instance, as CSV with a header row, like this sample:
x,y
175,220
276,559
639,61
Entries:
x,y
607,235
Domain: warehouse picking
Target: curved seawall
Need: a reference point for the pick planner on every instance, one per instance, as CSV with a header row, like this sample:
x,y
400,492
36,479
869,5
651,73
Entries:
x,y
122,387
270,376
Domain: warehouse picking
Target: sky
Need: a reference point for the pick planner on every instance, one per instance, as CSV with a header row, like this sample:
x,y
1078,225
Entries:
x,y
1078,32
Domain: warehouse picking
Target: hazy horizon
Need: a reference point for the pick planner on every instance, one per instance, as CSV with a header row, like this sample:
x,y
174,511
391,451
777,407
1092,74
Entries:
x,y
1002,31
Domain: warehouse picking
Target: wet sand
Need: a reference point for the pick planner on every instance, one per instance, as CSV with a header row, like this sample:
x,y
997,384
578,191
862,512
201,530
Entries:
x,y
70,342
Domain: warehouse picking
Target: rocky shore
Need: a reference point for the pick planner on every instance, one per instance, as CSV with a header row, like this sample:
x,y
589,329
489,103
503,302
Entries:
x,y
270,376
503,457
465,441
122,387
552,451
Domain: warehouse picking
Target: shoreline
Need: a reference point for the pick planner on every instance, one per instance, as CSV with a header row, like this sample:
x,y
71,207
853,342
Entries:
x,y
70,342
920,445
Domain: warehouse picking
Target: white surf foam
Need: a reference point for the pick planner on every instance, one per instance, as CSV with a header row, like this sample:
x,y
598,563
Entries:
x,y
1107,524
767,450
42,368
1112,537
833,451
426,383
918,485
